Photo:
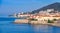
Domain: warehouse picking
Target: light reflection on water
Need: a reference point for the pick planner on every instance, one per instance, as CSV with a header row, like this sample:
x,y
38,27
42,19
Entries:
x,y
43,29
9,27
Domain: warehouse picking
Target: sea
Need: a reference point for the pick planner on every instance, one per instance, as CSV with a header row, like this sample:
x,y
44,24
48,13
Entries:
x,y
7,25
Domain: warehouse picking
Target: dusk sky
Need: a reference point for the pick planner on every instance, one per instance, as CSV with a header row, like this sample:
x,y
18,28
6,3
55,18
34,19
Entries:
x,y
15,6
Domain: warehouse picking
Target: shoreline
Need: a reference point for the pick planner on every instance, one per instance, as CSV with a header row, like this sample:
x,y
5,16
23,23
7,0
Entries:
x,y
25,21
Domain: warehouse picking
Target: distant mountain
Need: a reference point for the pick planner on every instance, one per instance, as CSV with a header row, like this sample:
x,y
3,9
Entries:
x,y
55,6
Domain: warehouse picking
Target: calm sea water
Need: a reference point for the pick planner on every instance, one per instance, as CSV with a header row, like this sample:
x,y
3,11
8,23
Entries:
x,y
7,26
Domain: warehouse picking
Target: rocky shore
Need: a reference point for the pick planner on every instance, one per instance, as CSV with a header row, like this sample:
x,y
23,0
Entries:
x,y
26,21
20,21
55,24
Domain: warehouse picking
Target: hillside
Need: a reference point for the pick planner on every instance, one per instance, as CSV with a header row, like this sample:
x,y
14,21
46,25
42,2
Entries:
x,y
55,6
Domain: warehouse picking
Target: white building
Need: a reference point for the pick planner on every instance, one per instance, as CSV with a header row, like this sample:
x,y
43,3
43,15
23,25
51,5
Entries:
x,y
49,10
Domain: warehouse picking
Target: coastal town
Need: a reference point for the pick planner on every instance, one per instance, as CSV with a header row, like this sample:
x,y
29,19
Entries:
x,y
49,16
29,16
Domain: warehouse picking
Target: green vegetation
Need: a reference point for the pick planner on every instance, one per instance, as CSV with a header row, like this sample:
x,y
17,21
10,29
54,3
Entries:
x,y
54,19
33,19
50,21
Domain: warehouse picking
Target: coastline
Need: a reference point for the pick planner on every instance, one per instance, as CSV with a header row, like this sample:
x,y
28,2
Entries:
x,y
26,21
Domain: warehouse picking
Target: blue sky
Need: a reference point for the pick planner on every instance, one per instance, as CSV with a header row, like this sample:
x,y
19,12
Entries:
x,y
15,6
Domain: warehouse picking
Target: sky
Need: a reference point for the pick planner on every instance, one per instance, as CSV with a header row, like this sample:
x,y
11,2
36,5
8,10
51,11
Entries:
x,y
8,7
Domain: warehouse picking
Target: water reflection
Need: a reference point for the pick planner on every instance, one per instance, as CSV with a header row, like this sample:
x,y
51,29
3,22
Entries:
x,y
43,29
7,27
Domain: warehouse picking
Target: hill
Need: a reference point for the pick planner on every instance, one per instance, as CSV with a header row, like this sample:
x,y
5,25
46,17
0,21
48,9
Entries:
x,y
55,6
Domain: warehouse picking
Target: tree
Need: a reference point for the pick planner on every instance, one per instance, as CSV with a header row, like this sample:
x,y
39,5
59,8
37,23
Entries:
x,y
54,19
50,21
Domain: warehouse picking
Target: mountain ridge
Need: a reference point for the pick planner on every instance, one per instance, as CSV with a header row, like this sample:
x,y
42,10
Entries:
x,y
55,6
